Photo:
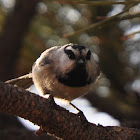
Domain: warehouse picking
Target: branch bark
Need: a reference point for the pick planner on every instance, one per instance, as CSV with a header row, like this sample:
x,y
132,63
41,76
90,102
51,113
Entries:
x,y
56,120
112,105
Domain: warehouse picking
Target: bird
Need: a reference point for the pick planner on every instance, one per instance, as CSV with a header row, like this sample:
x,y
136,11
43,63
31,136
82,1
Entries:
x,y
65,72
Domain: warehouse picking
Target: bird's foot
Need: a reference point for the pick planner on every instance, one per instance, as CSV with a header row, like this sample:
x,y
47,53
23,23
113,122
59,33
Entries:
x,y
51,101
39,132
81,115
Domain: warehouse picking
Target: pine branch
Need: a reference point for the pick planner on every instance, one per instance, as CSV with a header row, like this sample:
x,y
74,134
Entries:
x,y
130,35
102,23
56,120
97,3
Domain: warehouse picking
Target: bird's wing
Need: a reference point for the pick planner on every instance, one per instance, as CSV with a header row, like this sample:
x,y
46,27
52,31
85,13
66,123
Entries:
x,y
25,81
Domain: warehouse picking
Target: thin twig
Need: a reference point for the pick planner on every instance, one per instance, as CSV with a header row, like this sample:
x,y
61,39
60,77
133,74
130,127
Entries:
x,y
101,23
124,17
98,3
129,35
130,16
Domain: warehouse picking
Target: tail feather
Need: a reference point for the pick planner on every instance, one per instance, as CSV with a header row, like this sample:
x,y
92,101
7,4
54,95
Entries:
x,y
24,81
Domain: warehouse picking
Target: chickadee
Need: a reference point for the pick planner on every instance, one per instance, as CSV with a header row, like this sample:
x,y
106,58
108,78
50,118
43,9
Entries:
x,y
66,72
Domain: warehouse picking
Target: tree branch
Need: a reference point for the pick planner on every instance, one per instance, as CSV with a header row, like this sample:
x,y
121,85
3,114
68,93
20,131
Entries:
x,y
129,35
98,3
54,119
116,17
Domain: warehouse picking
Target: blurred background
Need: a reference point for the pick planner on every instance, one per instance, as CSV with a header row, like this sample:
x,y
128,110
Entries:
x,y
27,28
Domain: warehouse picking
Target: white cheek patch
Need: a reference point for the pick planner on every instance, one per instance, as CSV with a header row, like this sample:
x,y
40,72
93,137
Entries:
x,y
65,63
63,59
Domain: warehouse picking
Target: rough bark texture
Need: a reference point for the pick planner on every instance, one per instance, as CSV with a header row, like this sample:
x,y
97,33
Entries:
x,y
111,105
56,120
22,134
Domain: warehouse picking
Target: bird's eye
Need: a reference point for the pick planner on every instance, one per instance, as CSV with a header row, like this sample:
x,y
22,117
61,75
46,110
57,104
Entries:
x,y
88,55
70,54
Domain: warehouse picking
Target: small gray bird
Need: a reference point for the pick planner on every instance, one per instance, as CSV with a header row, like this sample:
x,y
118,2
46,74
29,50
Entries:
x,y
66,72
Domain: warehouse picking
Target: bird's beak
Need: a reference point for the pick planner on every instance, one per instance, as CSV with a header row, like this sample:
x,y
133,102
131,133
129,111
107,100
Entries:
x,y
81,61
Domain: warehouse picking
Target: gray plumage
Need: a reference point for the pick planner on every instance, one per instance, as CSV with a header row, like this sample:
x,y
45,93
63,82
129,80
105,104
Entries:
x,y
66,72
